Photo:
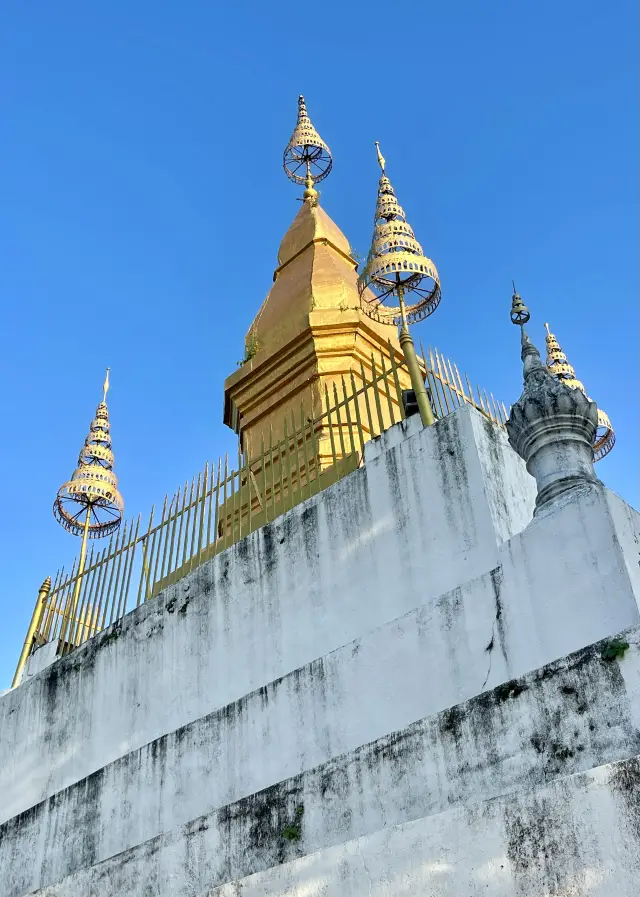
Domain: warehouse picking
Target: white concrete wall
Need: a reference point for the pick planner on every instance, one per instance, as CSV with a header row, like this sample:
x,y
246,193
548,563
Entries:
x,y
575,838
411,524
570,716
408,587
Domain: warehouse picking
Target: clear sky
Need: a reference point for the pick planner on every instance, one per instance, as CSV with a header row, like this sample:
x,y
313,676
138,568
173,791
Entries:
x,y
143,202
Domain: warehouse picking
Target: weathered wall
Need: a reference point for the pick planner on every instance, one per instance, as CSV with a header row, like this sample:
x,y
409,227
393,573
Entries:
x,y
575,838
571,716
348,560
186,735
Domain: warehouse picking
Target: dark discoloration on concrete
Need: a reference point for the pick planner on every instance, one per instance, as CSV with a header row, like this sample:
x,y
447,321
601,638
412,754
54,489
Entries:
x,y
625,782
566,717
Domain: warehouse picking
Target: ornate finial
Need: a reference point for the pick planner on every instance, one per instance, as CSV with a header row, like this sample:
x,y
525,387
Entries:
x,y
558,365
92,492
307,158
551,426
519,311
105,388
396,264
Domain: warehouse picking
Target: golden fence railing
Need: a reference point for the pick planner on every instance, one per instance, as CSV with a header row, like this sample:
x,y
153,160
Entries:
x,y
224,503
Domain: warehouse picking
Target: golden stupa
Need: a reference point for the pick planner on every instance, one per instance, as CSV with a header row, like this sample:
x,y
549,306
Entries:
x,y
311,329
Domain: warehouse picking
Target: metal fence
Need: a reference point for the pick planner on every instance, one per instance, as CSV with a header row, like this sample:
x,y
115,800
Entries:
x,y
223,503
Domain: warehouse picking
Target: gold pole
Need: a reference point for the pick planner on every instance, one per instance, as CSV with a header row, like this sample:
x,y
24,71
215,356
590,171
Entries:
x,y
36,620
406,342
79,575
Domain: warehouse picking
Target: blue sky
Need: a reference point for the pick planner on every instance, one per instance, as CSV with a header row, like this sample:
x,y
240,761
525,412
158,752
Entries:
x,y
143,202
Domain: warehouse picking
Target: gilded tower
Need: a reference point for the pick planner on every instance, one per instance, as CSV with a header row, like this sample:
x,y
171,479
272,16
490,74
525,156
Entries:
x,y
311,330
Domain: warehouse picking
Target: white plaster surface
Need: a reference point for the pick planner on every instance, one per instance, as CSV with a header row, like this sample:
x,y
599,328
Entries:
x,y
577,837
185,736
357,555
570,716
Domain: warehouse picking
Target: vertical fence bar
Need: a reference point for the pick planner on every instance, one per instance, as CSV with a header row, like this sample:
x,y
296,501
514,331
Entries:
x,y
385,380
168,539
343,451
396,380
347,414
237,504
367,406
112,568
281,465
332,440
216,523
376,395
439,388
224,500
273,474
114,595
315,449
194,525
289,471
103,581
162,532
134,546
305,449
448,372
143,566
357,414
74,624
203,501
187,523
67,603
174,525
470,390
210,508
53,597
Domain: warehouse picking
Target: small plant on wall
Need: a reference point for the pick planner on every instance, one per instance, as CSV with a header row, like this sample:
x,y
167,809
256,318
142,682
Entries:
x,y
293,830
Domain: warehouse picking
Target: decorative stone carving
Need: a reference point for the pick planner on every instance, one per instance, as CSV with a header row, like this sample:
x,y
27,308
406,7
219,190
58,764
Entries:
x,y
552,427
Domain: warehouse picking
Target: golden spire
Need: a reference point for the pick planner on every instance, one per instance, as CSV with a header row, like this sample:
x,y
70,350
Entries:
x,y
307,158
396,265
558,365
92,492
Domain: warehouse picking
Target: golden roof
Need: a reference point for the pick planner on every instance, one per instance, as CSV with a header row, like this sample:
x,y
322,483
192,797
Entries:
x,y
315,271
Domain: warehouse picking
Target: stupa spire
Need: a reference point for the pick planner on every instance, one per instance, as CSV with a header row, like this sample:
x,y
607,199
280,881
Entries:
x,y
551,426
559,366
307,158
93,487
89,504
396,267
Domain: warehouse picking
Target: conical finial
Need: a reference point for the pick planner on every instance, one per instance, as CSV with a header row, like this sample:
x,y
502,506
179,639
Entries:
x,y
105,388
306,157
519,311
558,365
396,264
93,487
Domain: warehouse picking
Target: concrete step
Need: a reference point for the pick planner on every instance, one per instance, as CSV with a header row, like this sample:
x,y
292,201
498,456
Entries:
x,y
568,717
578,836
